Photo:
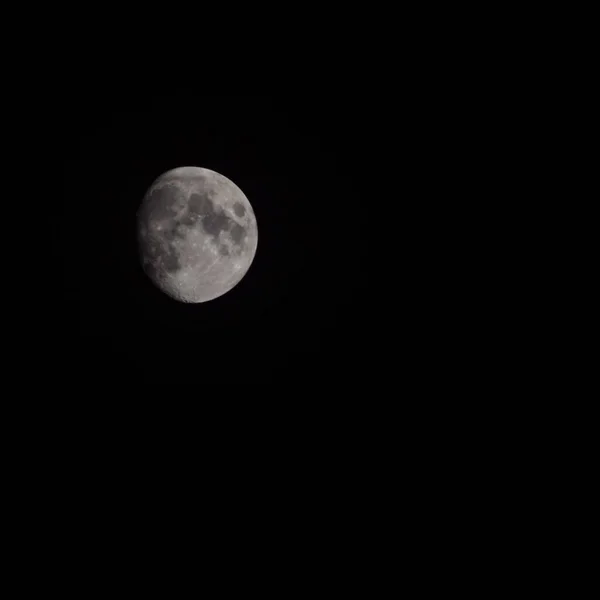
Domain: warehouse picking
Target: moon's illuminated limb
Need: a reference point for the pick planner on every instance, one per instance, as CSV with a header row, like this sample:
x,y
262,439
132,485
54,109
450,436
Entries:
x,y
197,233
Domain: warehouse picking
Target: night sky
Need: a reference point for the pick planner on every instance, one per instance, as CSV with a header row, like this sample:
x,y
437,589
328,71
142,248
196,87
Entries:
x,y
301,312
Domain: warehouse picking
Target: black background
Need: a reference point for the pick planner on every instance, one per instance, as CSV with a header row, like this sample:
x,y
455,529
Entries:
x,y
302,311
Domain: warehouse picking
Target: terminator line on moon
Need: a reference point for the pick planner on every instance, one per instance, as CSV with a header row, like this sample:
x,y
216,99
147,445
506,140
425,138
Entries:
x,y
197,234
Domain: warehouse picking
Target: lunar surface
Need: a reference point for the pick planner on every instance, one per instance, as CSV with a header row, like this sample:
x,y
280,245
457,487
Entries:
x,y
197,234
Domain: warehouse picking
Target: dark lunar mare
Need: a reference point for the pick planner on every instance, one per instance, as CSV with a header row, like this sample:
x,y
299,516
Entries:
x,y
238,233
214,220
171,261
161,203
200,204
189,218
155,254
215,223
174,229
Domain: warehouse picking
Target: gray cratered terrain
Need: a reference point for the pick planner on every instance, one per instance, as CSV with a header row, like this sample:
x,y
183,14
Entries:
x,y
197,234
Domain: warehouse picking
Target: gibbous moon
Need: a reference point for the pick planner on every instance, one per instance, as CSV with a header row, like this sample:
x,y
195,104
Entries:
x,y
197,234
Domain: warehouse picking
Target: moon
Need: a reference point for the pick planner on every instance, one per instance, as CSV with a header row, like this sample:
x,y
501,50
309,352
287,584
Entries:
x,y
197,234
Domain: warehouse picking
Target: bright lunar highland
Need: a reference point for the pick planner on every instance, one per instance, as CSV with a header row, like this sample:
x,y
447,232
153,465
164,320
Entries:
x,y
197,234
